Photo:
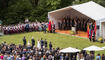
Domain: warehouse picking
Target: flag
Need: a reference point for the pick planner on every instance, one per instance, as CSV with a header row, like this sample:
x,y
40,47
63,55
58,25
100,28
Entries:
x,y
91,33
95,28
88,29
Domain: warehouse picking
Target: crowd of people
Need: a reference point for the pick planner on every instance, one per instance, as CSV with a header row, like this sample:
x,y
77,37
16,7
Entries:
x,y
28,27
25,27
67,23
41,51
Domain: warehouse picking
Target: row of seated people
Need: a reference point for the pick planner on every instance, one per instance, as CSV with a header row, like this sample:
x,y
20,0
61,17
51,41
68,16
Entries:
x,y
25,27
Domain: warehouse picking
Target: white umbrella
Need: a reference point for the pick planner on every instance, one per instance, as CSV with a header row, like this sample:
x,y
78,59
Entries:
x,y
93,48
69,50
103,47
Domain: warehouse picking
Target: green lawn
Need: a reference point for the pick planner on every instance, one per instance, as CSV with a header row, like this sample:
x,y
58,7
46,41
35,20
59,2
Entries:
x,y
58,40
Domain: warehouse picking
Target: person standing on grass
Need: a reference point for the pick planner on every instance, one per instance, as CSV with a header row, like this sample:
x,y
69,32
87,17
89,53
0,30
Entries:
x,y
50,46
45,43
33,41
38,44
24,41
42,43
44,28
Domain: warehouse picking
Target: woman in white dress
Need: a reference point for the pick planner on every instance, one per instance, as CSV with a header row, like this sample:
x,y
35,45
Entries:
x,y
38,44
28,43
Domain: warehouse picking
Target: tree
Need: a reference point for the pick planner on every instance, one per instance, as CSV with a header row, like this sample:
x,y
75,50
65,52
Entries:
x,y
34,2
44,6
18,12
15,11
65,3
53,4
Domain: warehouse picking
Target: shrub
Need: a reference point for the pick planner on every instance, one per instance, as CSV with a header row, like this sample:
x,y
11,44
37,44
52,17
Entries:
x,y
72,32
100,39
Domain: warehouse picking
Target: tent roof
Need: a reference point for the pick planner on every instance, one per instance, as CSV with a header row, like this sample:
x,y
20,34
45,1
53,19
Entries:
x,y
103,47
90,9
93,48
69,50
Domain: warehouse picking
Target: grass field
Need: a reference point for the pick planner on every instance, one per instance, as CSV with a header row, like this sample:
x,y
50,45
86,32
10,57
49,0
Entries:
x,y
58,40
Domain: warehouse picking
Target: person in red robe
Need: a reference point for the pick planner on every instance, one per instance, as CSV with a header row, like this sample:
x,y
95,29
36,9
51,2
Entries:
x,y
49,26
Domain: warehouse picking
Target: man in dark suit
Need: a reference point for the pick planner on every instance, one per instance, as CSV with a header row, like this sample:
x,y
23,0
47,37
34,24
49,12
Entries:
x,y
59,26
33,41
27,28
45,43
44,28
50,46
42,43
53,28
24,41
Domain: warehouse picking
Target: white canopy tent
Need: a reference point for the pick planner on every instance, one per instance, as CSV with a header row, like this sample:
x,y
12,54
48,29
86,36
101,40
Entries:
x,y
69,50
93,48
103,47
86,10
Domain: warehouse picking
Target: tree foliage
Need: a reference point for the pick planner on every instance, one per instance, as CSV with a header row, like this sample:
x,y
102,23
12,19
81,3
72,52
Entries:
x,y
15,11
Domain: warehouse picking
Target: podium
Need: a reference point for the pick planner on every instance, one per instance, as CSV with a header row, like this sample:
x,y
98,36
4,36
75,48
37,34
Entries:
x,y
74,29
